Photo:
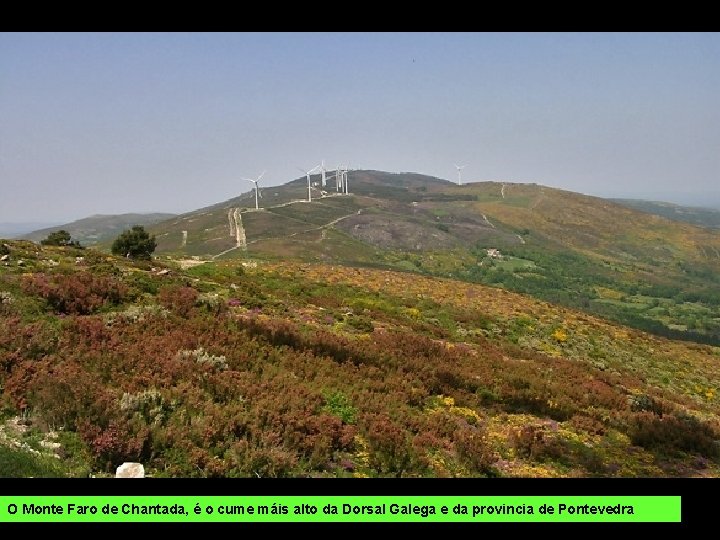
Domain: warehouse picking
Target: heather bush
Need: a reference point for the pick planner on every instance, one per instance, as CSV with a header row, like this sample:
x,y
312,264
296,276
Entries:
x,y
179,299
77,293
674,432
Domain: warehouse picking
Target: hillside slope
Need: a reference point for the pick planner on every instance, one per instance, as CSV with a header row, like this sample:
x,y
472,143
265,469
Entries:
x,y
100,228
296,369
581,251
702,217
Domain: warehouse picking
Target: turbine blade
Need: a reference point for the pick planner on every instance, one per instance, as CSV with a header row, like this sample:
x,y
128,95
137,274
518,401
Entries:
x,y
261,175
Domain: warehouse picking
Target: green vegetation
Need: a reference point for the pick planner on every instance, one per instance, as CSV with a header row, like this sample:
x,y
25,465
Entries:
x,y
556,245
338,404
99,230
318,370
16,463
385,353
703,217
690,311
60,238
135,243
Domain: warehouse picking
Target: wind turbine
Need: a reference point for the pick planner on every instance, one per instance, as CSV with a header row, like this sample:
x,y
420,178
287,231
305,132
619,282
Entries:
x,y
345,178
308,173
460,168
322,169
257,189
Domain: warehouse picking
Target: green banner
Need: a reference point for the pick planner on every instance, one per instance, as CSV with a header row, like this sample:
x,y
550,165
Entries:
x,y
339,508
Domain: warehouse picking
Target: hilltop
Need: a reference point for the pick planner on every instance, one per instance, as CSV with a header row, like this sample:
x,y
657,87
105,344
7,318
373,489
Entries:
x,y
581,251
251,368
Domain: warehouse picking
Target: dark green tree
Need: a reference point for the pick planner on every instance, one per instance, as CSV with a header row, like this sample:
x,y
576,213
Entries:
x,y
134,243
60,238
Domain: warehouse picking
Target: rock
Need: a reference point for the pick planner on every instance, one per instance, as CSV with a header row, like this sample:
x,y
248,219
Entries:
x,y
50,445
4,257
130,470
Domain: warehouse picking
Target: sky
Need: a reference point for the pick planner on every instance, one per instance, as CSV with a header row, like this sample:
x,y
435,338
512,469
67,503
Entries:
x,y
98,123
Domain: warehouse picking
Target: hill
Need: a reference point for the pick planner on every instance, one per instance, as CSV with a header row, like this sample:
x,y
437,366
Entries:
x,y
15,229
702,217
584,252
247,368
100,228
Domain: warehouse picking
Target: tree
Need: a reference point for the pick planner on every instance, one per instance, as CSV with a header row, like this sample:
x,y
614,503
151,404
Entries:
x,y
134,243
60,238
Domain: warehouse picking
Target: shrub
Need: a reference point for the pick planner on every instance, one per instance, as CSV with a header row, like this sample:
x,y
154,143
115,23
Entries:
x,y
475,450
360,323
588,424
673,433
113,444
135,243
17,463
60,238
535,443
389,445
79,293
338,404
179,299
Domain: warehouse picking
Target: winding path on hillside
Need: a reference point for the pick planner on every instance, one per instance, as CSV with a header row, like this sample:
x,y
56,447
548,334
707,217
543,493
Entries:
x,y
322,228
237,230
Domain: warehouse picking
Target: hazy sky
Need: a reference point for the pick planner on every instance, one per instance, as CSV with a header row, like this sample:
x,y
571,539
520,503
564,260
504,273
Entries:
x,y
110,123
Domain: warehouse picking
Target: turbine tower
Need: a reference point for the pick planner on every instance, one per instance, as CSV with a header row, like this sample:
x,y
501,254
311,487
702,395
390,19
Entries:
x,y
459,168
257,189
308,173
322,170
338,179
345,179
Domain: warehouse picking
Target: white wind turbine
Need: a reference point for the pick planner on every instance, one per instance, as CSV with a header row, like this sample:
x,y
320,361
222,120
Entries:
x,y
257,189
460,168
345,178
322,170
308,173
338,179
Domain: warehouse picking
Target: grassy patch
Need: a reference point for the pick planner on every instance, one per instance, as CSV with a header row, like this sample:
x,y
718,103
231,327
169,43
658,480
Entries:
x,y
17,463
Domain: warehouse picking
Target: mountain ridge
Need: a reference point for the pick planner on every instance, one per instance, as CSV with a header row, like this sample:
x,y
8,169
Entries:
x,y
579,250
695,215
98,228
